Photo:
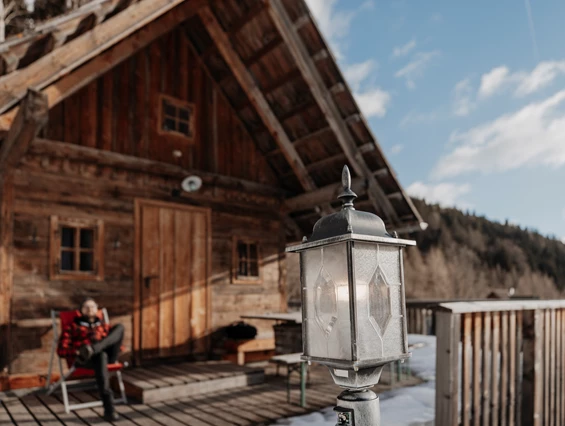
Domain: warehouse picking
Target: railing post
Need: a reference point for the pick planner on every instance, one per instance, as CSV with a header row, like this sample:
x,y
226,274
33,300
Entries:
x,y
532,373
448,332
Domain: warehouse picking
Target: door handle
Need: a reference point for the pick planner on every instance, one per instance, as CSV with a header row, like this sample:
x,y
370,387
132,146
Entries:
x,y
147,280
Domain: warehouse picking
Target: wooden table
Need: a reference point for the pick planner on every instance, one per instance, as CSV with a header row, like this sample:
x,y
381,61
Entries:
x,y
292,361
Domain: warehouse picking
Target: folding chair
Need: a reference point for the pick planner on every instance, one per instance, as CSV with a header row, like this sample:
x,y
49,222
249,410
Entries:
x,y
77,372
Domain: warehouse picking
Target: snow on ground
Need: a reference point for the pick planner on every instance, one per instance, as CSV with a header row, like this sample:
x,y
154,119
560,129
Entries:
x,y
410,406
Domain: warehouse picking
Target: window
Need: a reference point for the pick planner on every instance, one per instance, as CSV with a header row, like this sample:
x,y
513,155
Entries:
x,y
176,117
76,248
246,265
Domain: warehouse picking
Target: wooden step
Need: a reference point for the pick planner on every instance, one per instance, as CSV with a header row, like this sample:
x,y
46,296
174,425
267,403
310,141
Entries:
x,y
173,381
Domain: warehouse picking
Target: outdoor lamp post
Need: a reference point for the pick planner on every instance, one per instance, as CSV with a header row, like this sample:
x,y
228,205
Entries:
x,y
353,304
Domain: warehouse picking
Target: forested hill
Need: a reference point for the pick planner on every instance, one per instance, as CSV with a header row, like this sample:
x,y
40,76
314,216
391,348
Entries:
x,y
461,255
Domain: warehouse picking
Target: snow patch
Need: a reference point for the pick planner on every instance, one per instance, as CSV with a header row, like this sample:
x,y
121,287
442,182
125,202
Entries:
x,y
410,406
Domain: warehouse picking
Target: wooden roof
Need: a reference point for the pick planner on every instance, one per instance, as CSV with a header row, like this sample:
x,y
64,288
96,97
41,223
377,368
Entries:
x,y
271,63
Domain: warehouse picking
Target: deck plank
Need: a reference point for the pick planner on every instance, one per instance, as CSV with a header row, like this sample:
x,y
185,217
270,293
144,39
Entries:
x,y
192,412
87,415
180,417
19,413
41,413
87,397
159,416
156,373
140,375
57,408
5,418
179,373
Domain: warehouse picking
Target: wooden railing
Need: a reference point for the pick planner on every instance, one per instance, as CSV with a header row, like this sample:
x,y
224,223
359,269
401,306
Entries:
x,y
420,313
500,363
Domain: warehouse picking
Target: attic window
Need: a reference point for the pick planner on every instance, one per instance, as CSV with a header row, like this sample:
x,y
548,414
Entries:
x,y
76,249
246,261
176,117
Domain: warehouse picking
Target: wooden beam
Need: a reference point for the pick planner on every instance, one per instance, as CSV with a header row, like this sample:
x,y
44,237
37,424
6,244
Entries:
x,y
32,116
53,149
263,51
297,109
321,55
59,63
314,135
338,88
253,92
300,22
327,194
326,103
85,74
250,14
274,85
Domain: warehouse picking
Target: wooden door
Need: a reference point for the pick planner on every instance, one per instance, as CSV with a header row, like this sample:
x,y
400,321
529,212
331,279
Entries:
x,y
173,276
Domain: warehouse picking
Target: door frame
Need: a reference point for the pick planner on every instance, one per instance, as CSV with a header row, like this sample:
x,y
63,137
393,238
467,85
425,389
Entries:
x,y
139,203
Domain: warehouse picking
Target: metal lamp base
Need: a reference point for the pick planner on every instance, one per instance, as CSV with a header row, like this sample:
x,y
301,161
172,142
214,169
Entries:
x,y
358,408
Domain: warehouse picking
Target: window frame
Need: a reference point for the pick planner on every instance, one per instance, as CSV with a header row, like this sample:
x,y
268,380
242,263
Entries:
x,y
55,248
238,279
177,103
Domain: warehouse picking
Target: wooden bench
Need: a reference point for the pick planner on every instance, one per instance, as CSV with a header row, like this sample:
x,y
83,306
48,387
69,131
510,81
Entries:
x,y
293,363
240,348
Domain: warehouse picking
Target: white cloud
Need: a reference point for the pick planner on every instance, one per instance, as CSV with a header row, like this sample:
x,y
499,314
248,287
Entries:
x,y
531,136
541,76
420,118
416,67
445,194
396,149
356,74
404,50
525,83
463,104
436,17
493,81
373,102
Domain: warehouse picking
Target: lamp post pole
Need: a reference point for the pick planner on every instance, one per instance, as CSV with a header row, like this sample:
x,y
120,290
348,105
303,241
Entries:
x,y
353,304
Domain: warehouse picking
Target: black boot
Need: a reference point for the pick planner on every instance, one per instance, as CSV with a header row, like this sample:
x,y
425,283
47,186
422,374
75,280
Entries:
x,y
109,412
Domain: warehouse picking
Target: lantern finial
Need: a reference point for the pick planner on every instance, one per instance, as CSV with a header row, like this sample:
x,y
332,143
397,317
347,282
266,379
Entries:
x,y
347,196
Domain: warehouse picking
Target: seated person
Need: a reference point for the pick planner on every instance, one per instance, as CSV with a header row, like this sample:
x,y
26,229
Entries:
x,y
90,343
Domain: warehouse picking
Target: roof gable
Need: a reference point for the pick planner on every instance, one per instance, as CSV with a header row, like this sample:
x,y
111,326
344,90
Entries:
x,y
274,67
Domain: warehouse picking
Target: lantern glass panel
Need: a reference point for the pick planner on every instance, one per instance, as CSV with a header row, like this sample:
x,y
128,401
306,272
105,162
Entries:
x,y
380,317
326,295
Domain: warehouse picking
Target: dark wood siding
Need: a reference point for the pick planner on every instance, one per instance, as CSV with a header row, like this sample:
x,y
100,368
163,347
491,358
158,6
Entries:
x,y
119,112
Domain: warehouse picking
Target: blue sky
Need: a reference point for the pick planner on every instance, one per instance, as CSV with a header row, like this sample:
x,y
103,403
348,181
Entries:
x,y
466,98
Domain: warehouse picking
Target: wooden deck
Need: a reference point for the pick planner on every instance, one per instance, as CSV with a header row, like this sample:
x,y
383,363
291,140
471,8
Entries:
x,y
260,404
163,382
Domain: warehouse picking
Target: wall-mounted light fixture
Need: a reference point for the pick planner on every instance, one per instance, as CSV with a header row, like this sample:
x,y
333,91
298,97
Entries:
x,y
33,237
116,243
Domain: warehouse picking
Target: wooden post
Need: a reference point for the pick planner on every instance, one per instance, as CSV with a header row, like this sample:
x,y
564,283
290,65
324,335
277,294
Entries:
x,y
487,356
30,118
6,266
448,334
477,373
532,374
466,359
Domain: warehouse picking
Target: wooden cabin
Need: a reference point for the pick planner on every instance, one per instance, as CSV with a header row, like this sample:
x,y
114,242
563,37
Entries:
x,y
103,114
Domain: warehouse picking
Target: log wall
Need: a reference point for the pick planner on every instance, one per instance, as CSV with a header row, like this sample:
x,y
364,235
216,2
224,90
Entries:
x,y
120,112
50,186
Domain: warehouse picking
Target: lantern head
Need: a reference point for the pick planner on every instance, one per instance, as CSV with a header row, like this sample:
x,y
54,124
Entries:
x,y
353,303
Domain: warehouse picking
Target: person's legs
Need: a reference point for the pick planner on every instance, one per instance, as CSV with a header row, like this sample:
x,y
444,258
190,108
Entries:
x,y
111,343
100,364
